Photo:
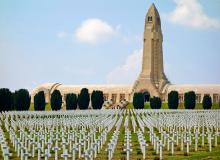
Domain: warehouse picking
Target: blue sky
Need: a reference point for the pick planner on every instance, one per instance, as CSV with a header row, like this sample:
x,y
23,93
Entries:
x,y
100,42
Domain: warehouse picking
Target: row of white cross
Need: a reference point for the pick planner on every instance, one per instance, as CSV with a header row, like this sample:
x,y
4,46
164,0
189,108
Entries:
x,y
173,126
113,141
127,143
4,145
46,135
143,144
82,134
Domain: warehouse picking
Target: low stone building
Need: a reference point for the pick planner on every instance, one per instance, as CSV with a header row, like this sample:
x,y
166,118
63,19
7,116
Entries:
x,y
115,93
200,90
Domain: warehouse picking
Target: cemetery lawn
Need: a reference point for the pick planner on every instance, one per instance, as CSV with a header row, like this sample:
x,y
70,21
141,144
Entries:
x,y
47,107
146,106
181,106
205,155
136,154
202,154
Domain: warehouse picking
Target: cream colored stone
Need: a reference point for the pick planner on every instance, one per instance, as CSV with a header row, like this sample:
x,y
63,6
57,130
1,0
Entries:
x,y
152,78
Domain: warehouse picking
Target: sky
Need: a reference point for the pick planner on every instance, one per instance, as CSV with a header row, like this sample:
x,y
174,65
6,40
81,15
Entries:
x,y
100,42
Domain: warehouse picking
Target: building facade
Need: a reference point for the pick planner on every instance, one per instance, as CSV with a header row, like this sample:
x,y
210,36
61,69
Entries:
x,y
152,80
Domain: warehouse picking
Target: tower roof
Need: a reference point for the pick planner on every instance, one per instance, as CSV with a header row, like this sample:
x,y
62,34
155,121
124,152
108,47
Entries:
x,y
153,17
152,11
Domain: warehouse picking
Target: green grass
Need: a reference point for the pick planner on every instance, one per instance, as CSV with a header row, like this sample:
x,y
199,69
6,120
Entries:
x,y
214,106
47,107
181,106
214,155
202,154
146,106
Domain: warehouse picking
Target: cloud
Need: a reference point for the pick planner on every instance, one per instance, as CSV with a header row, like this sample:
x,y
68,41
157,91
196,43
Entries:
x,y
94,31
190,13
128,72
62,34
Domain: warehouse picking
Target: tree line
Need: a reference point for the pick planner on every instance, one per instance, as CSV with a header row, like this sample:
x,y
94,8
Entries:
x,y
173,101
20,100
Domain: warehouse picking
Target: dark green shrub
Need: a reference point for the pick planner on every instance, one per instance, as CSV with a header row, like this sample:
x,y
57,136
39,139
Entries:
x,y
71,101
39,101
97,99
83,99
190,100
22,100
138,100
155,103
173,100
6,99
207,102
56,100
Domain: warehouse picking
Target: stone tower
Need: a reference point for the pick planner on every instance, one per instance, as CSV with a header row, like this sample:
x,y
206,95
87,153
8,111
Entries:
x,y
152,78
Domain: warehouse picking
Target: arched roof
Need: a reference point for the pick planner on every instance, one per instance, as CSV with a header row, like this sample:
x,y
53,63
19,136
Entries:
x,y
45,87
109,88
64,89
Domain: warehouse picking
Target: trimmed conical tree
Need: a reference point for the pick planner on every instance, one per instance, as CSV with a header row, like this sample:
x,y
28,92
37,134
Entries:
x,y
22,100
56,100
39,101
207,102
155,103
135,102
83,99
190,100
173,100
6,99
138,100
71,101
97,99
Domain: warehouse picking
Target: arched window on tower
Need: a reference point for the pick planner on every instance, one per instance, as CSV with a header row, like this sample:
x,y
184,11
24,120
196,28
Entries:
x,y
149,19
